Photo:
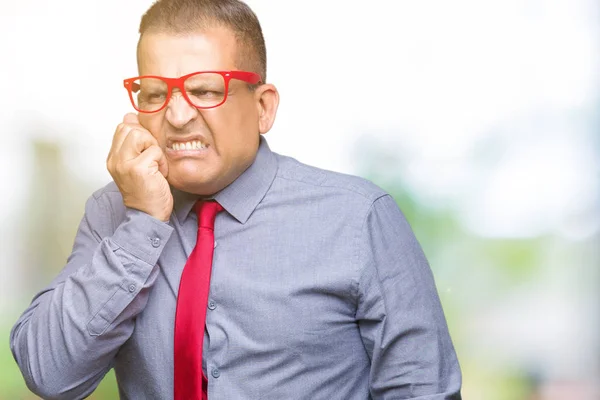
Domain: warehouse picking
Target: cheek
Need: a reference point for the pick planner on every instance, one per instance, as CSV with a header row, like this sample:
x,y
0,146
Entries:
x,y
235,133
153,123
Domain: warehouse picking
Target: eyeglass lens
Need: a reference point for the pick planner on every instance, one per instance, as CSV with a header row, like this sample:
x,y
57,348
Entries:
x,y
203,90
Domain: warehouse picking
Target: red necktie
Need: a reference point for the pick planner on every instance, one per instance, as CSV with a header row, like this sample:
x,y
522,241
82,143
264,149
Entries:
x,y
190,317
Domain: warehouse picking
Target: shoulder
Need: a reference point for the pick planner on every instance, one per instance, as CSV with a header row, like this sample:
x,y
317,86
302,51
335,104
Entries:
x,y
107,192
307,177
109,196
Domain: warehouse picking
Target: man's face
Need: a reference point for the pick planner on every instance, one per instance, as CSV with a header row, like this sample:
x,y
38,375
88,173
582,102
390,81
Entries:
x,y
229,133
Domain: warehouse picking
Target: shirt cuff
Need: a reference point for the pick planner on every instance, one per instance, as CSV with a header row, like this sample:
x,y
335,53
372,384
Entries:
x,y
142,235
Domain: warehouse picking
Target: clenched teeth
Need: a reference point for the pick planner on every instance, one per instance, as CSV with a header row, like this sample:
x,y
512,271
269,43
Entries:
x,y
193,145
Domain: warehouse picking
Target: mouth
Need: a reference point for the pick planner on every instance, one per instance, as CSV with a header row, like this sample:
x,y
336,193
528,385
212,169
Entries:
x,y
190,147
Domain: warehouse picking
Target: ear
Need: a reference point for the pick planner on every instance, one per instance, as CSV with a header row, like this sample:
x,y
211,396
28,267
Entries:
x,y
267,102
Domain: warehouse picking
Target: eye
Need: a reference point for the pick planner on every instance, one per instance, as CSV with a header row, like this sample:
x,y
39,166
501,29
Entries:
x,y
204,93
147,96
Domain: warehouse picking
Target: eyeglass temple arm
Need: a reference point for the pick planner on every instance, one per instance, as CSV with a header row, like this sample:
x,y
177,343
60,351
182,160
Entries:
x,y
250,77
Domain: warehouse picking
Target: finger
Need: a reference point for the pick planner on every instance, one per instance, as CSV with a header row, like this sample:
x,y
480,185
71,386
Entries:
x,y
130,121
119,137
120,134
154,158
131,118
136,141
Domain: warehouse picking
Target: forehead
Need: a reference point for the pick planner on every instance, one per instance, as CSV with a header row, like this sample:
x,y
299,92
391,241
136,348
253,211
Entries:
x,y
174,55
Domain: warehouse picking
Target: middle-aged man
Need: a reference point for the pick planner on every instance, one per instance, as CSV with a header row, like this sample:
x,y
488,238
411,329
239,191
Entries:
x,y
318,287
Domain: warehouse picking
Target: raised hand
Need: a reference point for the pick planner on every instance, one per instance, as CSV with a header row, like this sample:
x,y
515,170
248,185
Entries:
x,y
139,168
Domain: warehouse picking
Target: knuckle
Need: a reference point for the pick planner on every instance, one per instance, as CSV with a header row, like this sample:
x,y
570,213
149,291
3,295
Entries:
x,y
122,130
134,133
137,134
119,169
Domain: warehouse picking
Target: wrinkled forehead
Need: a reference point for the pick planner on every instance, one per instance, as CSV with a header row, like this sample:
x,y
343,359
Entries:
x,y
173,55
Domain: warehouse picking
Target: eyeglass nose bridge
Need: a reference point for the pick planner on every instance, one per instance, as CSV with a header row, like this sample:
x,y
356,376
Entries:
x,y
174,86
178,95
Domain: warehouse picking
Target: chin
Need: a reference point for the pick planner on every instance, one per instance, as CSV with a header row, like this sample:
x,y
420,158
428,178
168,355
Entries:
x,y
193,184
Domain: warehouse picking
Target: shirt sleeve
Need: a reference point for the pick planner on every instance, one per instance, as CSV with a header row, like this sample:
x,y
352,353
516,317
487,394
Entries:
x,y
65,341
399,314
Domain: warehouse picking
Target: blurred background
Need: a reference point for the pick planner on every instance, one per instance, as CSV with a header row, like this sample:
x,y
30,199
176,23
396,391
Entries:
x,y
482,118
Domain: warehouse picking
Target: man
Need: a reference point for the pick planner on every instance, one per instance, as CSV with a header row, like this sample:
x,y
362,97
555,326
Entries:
x,y
318,288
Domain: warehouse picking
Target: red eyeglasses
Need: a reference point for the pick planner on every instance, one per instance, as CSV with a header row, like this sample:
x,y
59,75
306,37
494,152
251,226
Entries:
x,y
205,89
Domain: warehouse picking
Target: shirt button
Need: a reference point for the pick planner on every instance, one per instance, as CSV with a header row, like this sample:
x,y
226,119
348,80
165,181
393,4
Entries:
x,y
216,373
215,245
212,305
155,242
131,288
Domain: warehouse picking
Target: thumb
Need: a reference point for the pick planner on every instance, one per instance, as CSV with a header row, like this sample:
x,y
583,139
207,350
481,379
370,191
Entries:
x,y
163,165
131,118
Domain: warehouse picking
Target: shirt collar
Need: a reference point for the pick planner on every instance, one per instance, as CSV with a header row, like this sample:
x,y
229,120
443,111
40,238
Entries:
x,y
243,195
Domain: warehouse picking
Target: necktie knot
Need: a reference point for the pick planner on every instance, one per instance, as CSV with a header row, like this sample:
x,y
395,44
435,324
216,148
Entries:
x,y
207,212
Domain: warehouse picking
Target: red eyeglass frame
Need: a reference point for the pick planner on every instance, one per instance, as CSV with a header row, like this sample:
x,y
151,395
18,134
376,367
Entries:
x,y
248,77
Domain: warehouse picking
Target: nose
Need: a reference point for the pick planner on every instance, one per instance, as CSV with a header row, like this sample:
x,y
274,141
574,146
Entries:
x,y
179,111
